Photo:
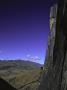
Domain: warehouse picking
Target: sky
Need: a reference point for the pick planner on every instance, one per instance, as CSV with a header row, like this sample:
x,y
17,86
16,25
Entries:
x,y
24,28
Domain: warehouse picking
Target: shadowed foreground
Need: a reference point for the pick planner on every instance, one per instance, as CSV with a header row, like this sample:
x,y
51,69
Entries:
x,y
5,86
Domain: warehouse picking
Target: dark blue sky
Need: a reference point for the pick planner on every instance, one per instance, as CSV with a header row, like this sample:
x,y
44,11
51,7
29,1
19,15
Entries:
x,y
24,27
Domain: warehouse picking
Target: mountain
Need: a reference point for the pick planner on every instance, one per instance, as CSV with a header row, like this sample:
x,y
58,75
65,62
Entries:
x,y
18,64
20,74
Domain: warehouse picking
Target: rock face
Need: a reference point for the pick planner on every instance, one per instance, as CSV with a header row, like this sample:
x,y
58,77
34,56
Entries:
x,y
51,37
5,85
55,72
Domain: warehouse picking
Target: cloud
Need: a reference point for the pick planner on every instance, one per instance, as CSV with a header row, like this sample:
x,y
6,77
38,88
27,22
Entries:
x,y
32,58
37,58
28,55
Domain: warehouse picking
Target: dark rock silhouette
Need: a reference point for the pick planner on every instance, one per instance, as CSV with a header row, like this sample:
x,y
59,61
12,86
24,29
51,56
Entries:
x,y
55,72
5,86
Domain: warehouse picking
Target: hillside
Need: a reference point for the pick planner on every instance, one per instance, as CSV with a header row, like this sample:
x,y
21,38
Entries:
x,y
23,75
18,64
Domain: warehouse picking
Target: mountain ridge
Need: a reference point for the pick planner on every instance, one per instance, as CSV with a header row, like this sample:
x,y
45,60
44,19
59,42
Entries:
x,y
7,64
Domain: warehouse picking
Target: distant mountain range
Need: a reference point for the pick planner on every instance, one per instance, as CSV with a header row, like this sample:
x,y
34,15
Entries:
x,y
18,64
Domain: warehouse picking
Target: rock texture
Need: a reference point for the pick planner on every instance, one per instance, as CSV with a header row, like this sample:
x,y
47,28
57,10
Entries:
x,y
55,72
5,85
51,37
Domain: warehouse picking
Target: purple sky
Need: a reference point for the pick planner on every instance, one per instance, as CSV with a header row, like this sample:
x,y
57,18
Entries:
x,y
24,27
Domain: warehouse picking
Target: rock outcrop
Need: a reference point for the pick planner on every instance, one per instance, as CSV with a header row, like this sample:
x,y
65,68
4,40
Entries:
x,y
5,85
51,37
55,72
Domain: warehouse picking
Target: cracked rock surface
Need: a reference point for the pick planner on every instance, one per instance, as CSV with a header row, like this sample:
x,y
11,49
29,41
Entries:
x,y
55,72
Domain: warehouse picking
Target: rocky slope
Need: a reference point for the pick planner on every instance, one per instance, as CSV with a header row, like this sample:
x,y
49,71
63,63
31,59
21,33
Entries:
x,y
22,75
55,72
5,85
